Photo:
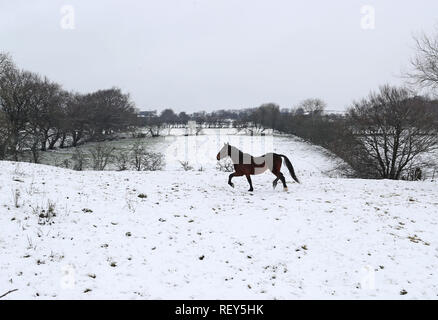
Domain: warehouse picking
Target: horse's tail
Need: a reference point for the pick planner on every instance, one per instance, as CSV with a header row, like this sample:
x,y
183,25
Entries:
x,y
290,167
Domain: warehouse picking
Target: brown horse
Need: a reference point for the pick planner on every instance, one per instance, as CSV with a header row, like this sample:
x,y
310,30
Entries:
x,y
247,165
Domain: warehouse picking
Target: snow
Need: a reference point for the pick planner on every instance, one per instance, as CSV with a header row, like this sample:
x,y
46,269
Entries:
x,y
200,151
191,236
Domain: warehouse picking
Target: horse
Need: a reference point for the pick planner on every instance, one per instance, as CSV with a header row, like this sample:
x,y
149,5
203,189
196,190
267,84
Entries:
x,y
247,165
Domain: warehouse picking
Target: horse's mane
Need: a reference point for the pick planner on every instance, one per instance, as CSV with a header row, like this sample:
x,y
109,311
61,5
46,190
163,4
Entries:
x,y
240,154
235,148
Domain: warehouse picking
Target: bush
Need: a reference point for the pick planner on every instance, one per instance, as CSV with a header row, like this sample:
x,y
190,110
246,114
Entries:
x,y
137,153
143,160
122,161
65,163
45,216
186,166
79,160
225,165
101,155
152,161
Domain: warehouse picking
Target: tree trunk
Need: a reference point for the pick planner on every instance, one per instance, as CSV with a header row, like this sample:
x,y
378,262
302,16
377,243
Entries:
x,y
35,152
53,141
14,145
64,136
76,137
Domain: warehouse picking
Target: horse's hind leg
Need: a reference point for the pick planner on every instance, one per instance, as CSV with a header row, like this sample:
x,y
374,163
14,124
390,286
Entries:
x,y
281,177
276,171
274,183
283,180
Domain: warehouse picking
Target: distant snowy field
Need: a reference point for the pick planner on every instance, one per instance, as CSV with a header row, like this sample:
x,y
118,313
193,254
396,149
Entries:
x,y
200,151
187,235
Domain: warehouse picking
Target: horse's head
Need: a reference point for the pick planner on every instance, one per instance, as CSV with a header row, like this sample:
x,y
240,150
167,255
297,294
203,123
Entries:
x,y
224,152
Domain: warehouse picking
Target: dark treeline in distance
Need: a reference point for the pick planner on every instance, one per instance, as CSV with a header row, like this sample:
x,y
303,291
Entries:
x,y
37,114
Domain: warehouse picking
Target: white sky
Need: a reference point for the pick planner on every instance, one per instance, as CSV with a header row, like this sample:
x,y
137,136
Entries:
x,y
209,54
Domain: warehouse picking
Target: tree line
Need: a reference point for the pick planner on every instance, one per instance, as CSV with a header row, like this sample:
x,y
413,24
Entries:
x,y
385,135
37,114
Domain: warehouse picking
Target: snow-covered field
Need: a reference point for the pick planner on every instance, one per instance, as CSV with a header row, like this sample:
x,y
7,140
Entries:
x,y
176,234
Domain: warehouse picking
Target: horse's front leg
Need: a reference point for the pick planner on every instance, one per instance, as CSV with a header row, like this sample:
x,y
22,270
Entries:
x,y
229,179
248,177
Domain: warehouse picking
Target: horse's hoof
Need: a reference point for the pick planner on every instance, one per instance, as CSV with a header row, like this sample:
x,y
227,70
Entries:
x,y
232,185
251,190
285,189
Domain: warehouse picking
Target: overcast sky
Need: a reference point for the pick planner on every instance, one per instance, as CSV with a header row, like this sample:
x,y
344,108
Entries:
x,y
209,54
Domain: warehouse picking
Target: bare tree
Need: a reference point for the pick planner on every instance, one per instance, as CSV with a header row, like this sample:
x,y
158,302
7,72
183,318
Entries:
x,y
183,118
168,117
51,113
265,116
394,128
17,93
138,150
108,111
78,119
39,113
5,130
425,63
313,106
155,126
5,126
6,64
28,104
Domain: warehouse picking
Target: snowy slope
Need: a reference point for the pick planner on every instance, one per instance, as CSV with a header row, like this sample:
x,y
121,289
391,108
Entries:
x,y
201,151
192,236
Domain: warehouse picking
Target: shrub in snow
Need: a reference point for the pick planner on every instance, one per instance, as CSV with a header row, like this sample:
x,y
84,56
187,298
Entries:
x,y
79,160
121,161
65,163
143,160
186,166
16,198
101,155
153,161
225,165
137,153
45,215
